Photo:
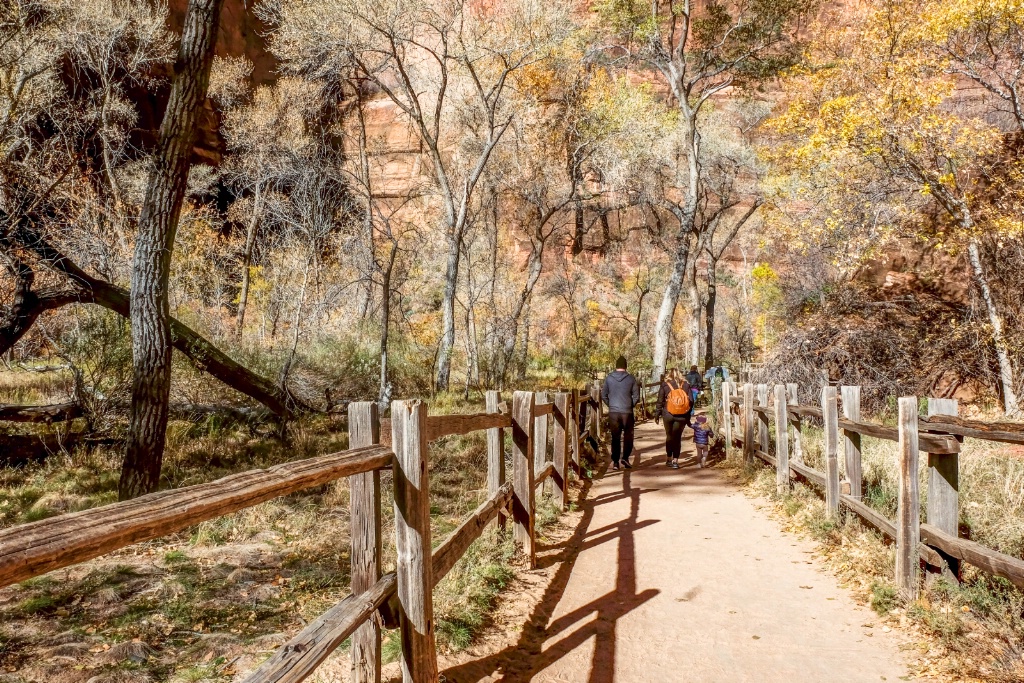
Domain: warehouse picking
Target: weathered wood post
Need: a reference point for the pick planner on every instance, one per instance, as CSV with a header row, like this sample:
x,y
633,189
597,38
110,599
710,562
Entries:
x,y
944,484
797,444
495,453
562,419
908,512
830,418
737,419
522,473
851,441
364,512
412,540
574,431
726,420
763,440
748,423
781,441
540,438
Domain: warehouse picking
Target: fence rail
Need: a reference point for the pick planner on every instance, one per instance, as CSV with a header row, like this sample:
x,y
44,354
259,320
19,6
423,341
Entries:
x,y
401,598
745,424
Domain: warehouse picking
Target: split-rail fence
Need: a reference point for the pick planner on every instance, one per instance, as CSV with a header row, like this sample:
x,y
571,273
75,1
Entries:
x,y
401,598
746,413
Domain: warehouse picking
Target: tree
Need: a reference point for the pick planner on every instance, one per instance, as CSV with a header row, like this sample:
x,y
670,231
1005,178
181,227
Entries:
x,y
446,68
984,42
875,133
150,313
700,50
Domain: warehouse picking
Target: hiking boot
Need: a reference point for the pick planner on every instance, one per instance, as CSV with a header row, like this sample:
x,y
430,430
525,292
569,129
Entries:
x,y
626,463
675,464
615,465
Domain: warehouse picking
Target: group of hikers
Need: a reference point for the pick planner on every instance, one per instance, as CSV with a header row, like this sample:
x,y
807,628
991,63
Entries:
x,y
677,400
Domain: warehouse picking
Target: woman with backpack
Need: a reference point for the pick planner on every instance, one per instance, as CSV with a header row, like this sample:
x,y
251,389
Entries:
x,y
675,408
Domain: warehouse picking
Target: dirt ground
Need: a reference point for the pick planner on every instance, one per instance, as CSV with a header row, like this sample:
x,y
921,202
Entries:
x,y
675,575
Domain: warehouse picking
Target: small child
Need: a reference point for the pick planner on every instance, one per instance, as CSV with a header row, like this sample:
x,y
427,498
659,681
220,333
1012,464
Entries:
x,y
701,438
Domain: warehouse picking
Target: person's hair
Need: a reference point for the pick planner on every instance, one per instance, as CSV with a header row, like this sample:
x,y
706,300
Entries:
x,y
693,368
673,374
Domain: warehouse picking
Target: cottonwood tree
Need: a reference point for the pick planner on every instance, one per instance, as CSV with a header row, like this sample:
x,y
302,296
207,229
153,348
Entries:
x,y
154,245
875,134
447,68
700,50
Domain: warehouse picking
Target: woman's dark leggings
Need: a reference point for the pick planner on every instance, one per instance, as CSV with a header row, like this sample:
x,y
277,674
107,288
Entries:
x,y
674,427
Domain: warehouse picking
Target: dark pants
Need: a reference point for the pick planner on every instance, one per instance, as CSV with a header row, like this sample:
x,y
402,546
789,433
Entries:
x,y
674,426
621,425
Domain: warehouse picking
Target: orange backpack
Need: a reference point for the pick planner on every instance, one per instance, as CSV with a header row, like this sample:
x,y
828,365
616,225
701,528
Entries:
x,y
678,402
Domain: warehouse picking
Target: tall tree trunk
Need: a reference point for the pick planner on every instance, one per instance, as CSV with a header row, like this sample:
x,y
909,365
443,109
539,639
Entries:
x,y
250,241
686,215
669,300
447,345
158,223
384,396
695,313
709,313
1006,378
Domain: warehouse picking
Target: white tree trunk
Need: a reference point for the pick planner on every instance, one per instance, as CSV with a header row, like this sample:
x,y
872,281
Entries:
x,y
998,340
663,327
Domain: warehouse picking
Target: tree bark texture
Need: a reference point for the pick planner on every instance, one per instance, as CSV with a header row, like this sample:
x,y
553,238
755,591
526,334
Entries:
x,y
1006,378
669,300
709,313
451,281
151,266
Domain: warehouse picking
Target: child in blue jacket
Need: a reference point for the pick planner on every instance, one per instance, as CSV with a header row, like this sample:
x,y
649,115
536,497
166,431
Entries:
x,y
702,436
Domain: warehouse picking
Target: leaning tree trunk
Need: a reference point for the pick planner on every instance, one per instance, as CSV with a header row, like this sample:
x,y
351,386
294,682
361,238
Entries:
x,y
158,223
709,314
1006,378
384,395
695,313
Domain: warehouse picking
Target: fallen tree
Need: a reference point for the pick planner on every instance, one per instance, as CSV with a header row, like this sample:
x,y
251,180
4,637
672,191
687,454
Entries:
x,y
28,305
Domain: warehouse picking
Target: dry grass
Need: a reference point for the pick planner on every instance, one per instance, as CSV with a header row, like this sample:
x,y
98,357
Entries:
x,y
973,631
216,599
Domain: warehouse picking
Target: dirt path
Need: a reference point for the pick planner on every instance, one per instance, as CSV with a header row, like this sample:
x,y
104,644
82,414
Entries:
x,y
674,575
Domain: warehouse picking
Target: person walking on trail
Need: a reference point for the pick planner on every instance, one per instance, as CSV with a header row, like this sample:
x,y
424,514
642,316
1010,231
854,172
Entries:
x,y
620,392
701,438
674,407
696,383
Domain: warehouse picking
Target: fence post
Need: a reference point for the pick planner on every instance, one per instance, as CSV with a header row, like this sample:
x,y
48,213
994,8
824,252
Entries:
x,y
851,411
737,421
574,433
763,440
908,513
364,512
522,473
412,540
562,419
830,418
726,420
944,484
793,400
748,422
781,441
540,439
495,453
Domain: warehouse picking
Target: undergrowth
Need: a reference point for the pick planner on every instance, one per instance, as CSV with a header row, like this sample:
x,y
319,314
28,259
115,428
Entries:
x,y
216,599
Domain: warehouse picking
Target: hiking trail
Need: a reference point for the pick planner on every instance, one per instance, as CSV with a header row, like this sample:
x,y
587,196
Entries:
x,y
675,576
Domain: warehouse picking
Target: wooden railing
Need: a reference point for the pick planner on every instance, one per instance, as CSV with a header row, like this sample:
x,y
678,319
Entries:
x,y
745,423
402,598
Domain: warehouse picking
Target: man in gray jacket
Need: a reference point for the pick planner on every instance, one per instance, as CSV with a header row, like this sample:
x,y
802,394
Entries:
x,y
620,392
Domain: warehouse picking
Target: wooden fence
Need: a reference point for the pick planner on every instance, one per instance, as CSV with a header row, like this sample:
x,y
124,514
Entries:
x,y
746,412
401,598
